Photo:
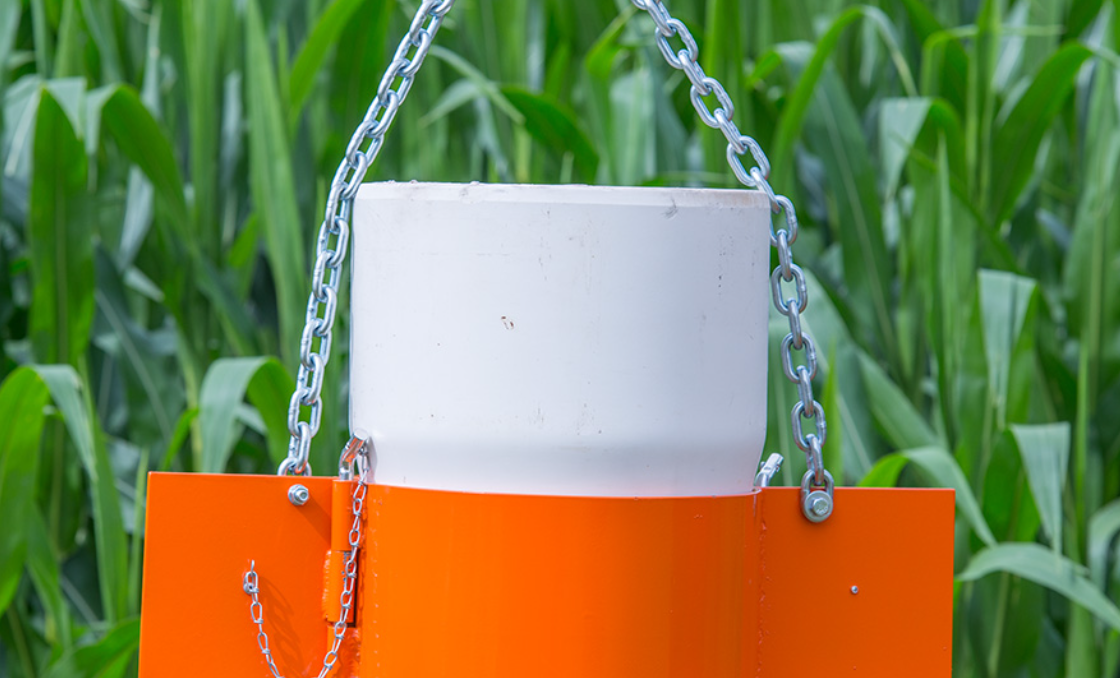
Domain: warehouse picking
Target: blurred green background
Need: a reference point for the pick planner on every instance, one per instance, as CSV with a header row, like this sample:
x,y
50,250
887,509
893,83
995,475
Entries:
x,y
164,165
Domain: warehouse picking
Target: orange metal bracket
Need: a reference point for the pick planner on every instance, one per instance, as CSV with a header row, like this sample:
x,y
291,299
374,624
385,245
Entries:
x,y
503,586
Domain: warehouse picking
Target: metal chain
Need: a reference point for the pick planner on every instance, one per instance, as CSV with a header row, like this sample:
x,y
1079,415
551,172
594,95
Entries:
x,y
251,586
738,146
334,233
366,144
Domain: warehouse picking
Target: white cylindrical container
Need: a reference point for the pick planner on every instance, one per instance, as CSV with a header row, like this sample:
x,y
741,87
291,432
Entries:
x,y
560,340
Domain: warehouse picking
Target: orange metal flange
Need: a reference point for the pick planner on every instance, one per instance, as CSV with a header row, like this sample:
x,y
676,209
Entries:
x,y
503,586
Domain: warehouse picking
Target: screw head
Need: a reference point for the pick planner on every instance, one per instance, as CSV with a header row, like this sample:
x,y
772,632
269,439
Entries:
x,y
855,590
298,494
818,506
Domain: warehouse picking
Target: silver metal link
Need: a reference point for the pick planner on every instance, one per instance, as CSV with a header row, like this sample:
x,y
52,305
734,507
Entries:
x,y
797,276
757,176
787,357
326,275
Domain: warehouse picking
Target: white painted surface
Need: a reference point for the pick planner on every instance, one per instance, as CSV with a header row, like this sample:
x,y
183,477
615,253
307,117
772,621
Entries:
x,y
563,340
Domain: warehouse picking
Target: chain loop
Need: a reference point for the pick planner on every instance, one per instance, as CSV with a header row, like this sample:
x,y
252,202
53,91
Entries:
x,y
326,275
757,176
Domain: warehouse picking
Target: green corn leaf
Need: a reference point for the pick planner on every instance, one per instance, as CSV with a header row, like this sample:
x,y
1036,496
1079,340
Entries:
x,y
361,55
833,131
944,471
9,24
1045,452
273,185
107,658
556,128
22,398
1007,305
1081,14
886,471
152,393
901,424
1017,141
838,361
314,51
953,71
136,132
61,236
44,570
205,28
1104,526
1046,568
793,115
178,438
899,124
71,398
223,390
1091,276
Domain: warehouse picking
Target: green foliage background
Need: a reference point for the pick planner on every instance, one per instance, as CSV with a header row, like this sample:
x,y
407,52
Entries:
x,y
164,164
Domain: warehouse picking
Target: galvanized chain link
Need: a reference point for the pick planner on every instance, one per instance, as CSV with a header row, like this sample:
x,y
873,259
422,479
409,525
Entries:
x,y
251,586
334,233
757,176
366,144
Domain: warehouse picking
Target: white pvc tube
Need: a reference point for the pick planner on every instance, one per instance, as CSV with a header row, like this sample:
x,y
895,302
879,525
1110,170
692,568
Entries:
x,y
564,340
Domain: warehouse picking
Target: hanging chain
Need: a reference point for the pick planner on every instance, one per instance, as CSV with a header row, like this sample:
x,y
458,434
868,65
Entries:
x,y
366,143
334,233
738,146
251,586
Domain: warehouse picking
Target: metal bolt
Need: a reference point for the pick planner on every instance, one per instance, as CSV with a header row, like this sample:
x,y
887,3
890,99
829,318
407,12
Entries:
x,y
817,506
855,590
298,494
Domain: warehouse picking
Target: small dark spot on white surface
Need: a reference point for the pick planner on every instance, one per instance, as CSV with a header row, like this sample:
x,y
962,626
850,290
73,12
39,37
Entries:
x,y
672,211
507,322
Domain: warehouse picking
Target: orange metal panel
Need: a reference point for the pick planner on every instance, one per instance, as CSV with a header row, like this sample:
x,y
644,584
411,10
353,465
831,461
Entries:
x,y
502,586
896,546
202,530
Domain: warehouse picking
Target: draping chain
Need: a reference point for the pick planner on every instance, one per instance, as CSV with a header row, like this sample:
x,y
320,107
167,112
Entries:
x,y
782,239
368,139
334,233
251,586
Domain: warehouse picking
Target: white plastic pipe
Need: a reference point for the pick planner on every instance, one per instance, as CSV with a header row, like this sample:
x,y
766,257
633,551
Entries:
x,y
563,340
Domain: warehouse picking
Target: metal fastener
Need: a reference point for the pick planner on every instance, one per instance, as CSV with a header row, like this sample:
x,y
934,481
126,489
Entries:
x,y
298,494
855,590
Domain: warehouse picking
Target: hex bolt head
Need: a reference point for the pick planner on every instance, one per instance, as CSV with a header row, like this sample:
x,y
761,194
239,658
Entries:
x,y
818,506
298,494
